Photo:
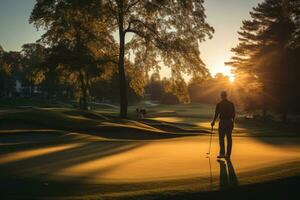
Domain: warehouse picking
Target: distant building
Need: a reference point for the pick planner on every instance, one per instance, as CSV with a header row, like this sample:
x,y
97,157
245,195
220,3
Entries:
x,y
15,85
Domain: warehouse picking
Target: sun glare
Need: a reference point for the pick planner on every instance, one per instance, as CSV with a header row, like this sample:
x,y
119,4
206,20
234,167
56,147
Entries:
x,y
232,78
225,70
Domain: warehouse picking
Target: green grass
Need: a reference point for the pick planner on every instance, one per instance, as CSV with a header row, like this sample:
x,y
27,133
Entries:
x,y
184,118
52,118
99,134
97,123
180,110
201,115
33,101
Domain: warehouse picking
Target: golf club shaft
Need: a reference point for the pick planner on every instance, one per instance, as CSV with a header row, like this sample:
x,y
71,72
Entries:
x,y
212,129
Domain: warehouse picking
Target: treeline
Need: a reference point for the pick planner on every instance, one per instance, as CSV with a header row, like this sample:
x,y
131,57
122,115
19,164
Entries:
x,y
111,45
34,72
105,50
267,58
196,90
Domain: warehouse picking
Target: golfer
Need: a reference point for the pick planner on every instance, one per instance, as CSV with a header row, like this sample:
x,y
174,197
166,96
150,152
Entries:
x,y
225,111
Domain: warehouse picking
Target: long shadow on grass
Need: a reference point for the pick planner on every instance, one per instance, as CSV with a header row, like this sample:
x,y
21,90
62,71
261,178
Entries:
x,y
48,164
174,127
33,188
117,130
28,175
273,133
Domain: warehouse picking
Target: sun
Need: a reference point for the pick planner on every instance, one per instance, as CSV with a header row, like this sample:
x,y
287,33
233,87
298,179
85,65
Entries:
x,y
225,70
231,78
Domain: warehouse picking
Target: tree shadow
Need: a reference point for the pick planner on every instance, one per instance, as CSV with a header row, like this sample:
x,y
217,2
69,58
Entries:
x,y
48,163
31,175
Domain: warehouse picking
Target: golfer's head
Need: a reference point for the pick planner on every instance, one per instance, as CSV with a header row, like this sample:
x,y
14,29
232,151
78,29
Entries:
x,y
223,95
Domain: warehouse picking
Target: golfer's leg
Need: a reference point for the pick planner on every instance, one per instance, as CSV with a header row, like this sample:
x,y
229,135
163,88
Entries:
x,y
229,143
229,139
221,139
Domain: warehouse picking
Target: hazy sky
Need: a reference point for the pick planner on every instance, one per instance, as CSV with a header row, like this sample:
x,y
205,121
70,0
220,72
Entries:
x,y
224,15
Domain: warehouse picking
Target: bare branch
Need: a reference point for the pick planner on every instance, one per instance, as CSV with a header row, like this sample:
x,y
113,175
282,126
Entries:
x,y
135,31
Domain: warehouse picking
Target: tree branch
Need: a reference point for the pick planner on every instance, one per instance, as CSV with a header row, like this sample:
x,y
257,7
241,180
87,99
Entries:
x,y
131,5
132,21
134,31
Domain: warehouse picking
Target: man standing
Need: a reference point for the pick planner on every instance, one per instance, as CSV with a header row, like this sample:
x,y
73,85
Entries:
x,y
226,112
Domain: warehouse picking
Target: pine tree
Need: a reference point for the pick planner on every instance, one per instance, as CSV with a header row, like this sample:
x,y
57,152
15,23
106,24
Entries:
x,y
262,56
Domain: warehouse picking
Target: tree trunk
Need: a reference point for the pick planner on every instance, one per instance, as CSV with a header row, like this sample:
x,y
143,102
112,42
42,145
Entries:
x,y
122,76
284,35
84,99
84,94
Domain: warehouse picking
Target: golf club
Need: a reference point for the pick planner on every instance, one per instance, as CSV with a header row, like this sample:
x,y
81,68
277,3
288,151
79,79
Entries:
x,y
212,129
210,173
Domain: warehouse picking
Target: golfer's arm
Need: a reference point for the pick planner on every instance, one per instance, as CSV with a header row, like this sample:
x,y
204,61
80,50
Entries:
x,y
234,114
216,114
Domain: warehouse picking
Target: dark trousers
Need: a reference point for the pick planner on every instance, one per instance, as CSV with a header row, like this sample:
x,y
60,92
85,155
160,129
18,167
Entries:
x,y
225,129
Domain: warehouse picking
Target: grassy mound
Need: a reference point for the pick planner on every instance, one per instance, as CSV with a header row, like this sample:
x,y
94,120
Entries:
x,y
44,118
92,123
32,101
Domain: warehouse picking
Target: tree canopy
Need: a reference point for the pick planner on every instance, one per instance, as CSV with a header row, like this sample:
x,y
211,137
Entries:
x,y
163,33
81,43
160,33
264,54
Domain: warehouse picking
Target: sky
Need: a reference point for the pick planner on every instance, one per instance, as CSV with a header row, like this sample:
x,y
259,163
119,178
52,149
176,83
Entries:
x,y
225,16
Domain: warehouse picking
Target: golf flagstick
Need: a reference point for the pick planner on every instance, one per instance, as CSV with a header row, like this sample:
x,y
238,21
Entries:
x,y
212,129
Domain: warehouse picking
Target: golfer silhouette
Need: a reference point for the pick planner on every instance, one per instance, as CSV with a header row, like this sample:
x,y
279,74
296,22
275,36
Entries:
x,y
225,111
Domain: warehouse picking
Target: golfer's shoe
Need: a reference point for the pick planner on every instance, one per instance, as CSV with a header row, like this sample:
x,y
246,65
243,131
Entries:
x,y
221,156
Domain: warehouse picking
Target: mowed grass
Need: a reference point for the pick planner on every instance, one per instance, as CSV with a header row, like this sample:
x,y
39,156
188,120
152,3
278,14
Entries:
x,y
202,114
40,143
32,101
33,133
97,123
161,121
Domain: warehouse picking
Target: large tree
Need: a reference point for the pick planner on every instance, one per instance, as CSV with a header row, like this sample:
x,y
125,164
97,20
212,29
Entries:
x,y
5,72
10,71
160,32
33,59
262,57
80,43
